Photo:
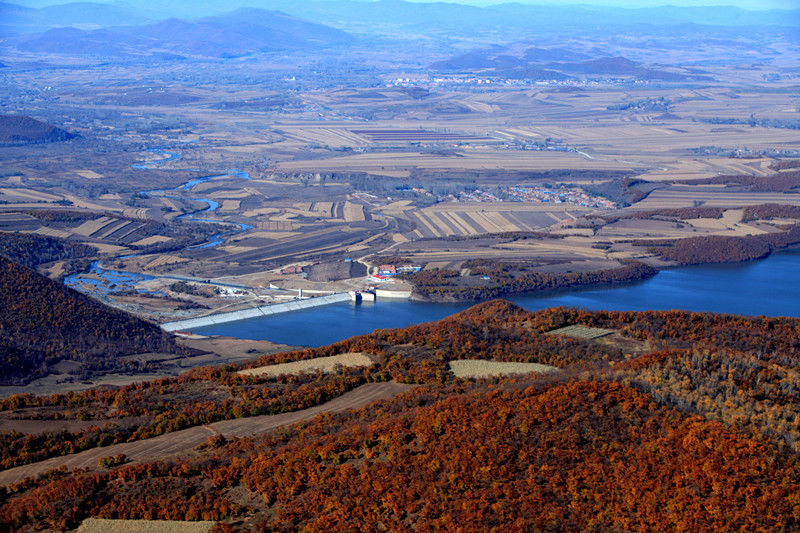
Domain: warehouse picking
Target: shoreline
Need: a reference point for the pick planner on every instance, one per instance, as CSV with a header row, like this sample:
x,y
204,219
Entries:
x,y
347,322
253,312
185,326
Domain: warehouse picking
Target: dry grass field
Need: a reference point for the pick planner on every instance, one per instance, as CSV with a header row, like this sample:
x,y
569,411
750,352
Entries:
x,y
320,364
478,368
89,174
476,159
52,232
101,525
712,195
26,195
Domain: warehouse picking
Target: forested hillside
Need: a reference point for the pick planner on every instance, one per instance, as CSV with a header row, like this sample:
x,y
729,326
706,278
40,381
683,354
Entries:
x,y
43,322
33,250
786,181
721,249
670,421
19,129
508,278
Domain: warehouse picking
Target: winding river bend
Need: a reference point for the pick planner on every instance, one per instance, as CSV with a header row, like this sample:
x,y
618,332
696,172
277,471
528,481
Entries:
x,y
188,186
111,280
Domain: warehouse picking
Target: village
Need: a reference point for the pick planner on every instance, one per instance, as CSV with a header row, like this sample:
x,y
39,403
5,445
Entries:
x,y
556,195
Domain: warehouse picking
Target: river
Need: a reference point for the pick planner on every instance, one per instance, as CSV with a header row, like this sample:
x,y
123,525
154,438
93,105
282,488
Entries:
x,y
764,287
106,281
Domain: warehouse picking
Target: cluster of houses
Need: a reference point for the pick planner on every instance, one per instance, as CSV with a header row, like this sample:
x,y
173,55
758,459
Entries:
x,y
295,269
386,271
558,195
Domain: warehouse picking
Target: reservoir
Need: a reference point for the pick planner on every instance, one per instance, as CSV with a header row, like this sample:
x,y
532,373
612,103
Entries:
x,y
765,287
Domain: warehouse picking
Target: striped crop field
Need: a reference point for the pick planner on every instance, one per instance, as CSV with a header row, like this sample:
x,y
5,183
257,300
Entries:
x,y
415,135
481,218
689,195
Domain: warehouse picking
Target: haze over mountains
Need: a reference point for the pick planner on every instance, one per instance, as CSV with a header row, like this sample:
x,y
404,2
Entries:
x,y
508,40
550,64
377,17
236,33
342,13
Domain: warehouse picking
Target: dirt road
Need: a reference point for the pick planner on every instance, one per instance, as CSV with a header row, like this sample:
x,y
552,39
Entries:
x,y
184,441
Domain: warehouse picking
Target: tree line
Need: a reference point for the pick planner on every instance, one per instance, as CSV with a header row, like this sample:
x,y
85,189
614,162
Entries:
x,y
508,278
721,249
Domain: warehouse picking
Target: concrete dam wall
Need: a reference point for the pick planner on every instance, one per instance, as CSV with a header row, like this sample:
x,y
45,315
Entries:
x,y
265,310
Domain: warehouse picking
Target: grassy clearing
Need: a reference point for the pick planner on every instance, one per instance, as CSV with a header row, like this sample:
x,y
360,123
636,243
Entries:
x,y
28,194
155,239
89,174
99,525
581,332
322,364
480,368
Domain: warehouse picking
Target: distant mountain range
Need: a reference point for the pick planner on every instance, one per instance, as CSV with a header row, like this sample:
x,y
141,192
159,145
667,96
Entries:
x,y
179,28
381,15
347,14
17,19
237,33
550,64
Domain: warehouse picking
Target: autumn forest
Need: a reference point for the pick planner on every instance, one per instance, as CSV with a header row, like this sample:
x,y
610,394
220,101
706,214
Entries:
x,y
675,420
223,226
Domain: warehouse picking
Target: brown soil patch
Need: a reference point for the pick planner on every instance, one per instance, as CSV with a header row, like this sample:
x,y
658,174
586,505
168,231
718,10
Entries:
x,y
233,348
626,344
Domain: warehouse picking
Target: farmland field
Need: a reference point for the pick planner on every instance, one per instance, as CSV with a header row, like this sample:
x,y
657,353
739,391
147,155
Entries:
x,y
320,364
581,332
101,525
483,369
430,175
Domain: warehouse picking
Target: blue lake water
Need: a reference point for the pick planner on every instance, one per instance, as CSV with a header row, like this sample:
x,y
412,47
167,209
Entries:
x,y
765,287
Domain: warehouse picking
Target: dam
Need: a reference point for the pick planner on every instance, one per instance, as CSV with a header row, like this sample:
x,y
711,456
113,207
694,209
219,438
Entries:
x,y
264,310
